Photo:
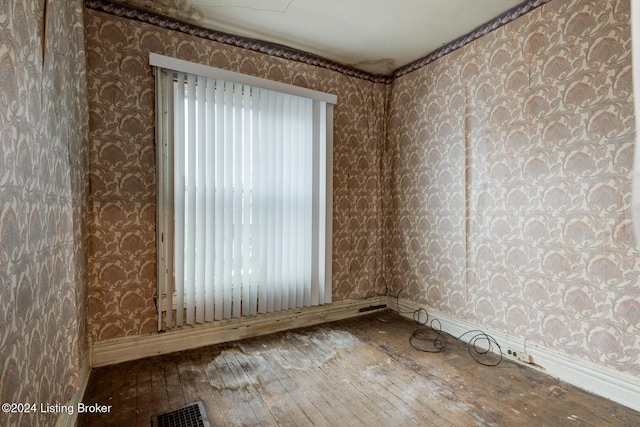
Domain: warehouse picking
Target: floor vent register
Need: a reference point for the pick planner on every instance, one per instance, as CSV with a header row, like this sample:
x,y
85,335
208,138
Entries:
x,y
192,415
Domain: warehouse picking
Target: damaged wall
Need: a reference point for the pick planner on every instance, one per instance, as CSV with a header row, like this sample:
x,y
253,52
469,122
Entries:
x,y
43,193
122,239
511,164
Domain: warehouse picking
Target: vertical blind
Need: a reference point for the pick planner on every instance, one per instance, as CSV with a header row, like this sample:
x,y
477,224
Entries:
x,y
242,200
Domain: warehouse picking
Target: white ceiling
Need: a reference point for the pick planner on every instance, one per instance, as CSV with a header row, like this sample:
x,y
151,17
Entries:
x,y
377,36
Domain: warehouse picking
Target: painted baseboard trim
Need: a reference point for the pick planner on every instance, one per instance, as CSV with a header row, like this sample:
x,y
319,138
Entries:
x,y
71,419
117,350
602,381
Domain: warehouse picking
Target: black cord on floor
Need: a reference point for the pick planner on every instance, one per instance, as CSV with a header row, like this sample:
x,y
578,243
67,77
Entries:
x,y
431,338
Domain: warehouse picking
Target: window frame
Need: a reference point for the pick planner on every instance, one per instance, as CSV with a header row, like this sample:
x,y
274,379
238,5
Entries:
x,y
164,196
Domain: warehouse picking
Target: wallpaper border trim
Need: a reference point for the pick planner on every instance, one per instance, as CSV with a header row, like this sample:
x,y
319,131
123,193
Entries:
x,y
284,52
278,51
605,382
484,29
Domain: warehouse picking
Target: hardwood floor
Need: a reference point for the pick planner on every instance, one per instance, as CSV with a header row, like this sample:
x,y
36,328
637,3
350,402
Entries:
x,y
354,372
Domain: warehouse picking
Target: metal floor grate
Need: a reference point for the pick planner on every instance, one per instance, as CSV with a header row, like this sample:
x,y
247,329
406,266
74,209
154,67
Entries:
x,y
192,415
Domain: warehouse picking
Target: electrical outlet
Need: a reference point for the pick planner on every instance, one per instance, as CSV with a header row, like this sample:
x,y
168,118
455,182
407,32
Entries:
x,y
520,355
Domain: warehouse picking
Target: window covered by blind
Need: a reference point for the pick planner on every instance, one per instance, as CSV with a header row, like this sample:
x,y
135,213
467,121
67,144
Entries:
x,y
243,185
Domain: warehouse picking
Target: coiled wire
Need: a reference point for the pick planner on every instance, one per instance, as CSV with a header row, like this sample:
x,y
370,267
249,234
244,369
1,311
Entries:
x,y
428,337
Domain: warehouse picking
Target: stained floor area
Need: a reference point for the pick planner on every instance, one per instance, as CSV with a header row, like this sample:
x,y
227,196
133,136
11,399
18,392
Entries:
x,y
355,372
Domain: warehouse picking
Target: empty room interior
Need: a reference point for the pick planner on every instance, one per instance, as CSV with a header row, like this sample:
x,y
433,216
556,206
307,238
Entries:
x,y
318,213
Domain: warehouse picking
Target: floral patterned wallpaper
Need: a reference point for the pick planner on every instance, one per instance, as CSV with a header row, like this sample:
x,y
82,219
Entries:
x,y
510,164
495,181
43,193
492,183
122,242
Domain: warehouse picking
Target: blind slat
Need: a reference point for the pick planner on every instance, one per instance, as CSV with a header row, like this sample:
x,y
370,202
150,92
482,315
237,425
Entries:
x,y
227,185
286,202
278,196
244,211
262,205
210,170
166,237
219,204
245,257
270,199
256,223
201,188
236,177
308,189
179,209
190,207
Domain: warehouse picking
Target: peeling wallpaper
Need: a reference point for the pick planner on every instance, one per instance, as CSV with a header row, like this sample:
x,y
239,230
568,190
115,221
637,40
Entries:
x,y
43,194
510,166
492,184
122,242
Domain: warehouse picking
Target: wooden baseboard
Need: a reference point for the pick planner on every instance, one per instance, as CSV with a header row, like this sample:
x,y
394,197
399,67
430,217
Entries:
x,y
606,382
109,352
597,379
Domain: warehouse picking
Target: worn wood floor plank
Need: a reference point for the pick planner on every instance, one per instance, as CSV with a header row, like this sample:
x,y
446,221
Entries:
x,y
294,402
319,397
253,390
339,381
360,364
188,374
268,390
239,409
453,376
360,371
144,396
402,384
175,392
159,392
261,415
211,390
335,383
